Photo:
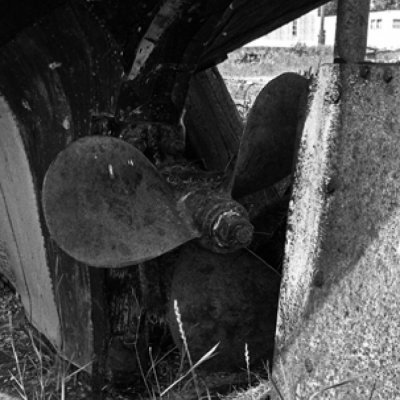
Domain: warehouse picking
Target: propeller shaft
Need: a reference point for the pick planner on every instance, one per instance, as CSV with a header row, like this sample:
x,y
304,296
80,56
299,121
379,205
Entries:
x,y
223,223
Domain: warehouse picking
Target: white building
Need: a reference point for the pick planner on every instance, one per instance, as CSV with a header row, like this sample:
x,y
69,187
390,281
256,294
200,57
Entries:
x,y
383,31
303,30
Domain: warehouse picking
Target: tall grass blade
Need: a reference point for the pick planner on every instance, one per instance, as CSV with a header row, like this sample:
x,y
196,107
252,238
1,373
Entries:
x,y
336,385
206,357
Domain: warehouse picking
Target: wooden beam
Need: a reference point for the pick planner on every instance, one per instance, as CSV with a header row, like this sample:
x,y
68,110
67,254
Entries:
x,y
19,14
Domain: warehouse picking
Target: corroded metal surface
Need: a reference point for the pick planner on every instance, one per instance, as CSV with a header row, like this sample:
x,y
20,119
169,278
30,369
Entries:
x,y
229,299
338,315
212,121
107,205
224,223
61,68
269,138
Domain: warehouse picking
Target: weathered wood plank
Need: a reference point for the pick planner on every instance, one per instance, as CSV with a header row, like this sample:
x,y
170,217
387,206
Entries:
x,y
243,21
19,14
53,81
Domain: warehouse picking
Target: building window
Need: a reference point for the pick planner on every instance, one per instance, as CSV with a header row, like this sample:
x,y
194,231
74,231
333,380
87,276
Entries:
x,y
294,28
378,24
396,24
372,24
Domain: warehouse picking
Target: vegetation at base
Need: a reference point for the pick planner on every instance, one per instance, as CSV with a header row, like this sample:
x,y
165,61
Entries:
x,y
331,8
248,70
272,61
376,5
379,5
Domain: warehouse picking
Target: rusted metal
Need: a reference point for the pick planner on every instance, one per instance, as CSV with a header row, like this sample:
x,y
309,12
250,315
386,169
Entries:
x,y
351,30
64,70
165,58
159,142
212,121
268,144
224,223
107,205
230,299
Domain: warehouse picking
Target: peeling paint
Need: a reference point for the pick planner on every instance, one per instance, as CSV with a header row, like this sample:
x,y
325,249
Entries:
x,y
66,123
111,171
54,65
22,247
169,12
26,105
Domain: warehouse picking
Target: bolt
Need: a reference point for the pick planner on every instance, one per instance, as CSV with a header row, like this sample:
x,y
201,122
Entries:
x,y
319,279
175,147
309,365
244,234
387,75
222,230
223,223
333,94
331,186
233,231
364,71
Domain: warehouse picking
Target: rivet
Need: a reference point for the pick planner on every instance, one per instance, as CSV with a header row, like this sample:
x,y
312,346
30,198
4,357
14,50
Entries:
x,y
387,75
365,71
333,94
331,186
309,365
318,280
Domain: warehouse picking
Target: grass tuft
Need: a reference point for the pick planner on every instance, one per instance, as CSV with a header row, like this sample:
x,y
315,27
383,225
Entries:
x,y
38,376
192,366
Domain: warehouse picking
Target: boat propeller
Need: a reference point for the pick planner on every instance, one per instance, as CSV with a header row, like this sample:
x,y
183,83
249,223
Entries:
x,y
107,205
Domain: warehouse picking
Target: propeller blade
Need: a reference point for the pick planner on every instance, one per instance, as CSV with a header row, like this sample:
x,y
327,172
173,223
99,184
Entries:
x,y
106,205
229,299
268,145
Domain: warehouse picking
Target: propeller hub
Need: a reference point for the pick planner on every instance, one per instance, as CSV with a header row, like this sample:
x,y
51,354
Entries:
x,y
223,223
244,234
232,229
